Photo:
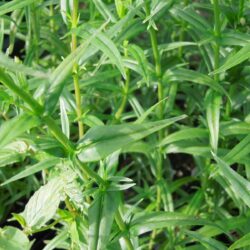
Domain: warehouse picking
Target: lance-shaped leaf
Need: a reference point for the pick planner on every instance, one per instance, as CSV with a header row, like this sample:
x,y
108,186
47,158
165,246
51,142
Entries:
x,y
101,215
213,102
155,220
11,65
209,243
240,243
239,185
239,57
180,75
101,141
14,5
15,127
33,169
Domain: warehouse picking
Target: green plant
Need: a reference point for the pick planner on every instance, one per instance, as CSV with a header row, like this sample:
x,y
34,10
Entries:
x,y
124,124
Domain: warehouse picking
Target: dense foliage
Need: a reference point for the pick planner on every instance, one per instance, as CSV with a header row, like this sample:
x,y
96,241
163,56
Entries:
x,y
124,124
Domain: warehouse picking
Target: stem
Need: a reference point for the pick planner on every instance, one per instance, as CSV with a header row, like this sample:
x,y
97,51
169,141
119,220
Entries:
x,y
91,173
74,20
217,33
158,71
126,87
122,227
56,131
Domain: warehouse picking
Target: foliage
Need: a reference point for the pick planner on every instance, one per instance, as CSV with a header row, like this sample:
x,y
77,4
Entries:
x,y
124,124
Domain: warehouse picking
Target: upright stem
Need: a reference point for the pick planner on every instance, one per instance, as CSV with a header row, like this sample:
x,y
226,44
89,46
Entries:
x,y
126,86
74,19
217,33
158,71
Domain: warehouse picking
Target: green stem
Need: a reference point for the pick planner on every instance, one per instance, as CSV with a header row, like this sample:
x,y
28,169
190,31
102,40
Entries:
x,y
126,86
217,34
74,19
123,228
158,71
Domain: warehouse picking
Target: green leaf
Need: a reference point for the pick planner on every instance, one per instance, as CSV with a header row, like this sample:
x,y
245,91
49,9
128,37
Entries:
x,y
101,141
33,169
13,152
39,208
64,118
213,102
180,75
209,243
11,65
14,5
239,151
241,243
102,42
239,185
104,10
140,57
156,220
145,114
189,15
156,8
15,127
12,238
66,8
101,215
184,134
235,59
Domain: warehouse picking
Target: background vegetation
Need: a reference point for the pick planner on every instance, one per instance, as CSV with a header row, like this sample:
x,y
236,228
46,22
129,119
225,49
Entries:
x,y
124,124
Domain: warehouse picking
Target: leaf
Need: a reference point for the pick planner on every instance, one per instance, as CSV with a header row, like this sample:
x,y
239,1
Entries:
x,y
140,57
171,46
241,243
234,38
12,238
8,157
42,165
64,118
189,15
65,9
233,60
239,151
15,127
13,152
195,203
213,102
180,75
104,10
101,141
209,243
145,114
157,8
57,240
101,215
10,64
184,134
156,220
14,5
40,208
108,47
239,185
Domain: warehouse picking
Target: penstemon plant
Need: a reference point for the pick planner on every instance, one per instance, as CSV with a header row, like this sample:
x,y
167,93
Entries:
x,y
124,124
